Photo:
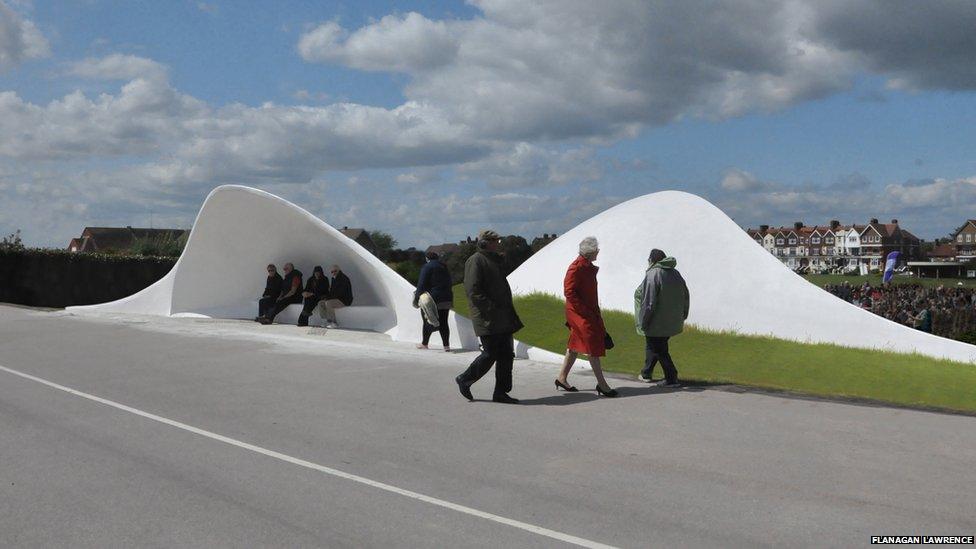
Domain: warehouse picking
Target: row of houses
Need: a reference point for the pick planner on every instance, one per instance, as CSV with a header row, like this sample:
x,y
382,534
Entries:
x,y
837,247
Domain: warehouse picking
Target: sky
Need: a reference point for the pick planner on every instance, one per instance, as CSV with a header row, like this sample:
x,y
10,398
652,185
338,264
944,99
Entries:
x,y
431,120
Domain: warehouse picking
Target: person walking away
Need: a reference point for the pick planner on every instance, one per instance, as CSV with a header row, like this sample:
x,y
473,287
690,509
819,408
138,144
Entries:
x,y
316,289
587,333
272,290
340,295
661,308
292,288
493,317
435,280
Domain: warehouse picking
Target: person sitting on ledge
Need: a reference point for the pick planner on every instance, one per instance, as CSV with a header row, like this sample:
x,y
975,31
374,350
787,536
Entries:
x,y
316,289
292,293
340,295
272,290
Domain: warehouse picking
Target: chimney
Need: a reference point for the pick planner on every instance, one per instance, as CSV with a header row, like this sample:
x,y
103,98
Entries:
x,y
874,220
834,224
764,228
894,221
798,225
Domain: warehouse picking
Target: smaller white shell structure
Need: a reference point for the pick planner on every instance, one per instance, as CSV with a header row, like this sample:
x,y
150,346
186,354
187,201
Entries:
x,y
735,284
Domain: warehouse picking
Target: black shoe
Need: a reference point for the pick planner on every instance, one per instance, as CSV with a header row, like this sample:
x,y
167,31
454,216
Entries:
x,y
611,393
265,321
564,387
504,399
464,388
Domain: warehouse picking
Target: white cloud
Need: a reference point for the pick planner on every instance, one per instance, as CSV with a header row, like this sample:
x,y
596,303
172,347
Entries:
x,y
20,40
736,180
526,165
118,67
404,44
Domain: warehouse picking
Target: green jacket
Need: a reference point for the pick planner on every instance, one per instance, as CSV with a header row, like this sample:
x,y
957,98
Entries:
x,y
661,300
490,296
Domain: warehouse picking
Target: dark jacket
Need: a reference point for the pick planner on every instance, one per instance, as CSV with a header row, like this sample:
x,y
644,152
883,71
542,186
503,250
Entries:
x,y
490,296
341,289
436,279
272,288
661,301
318,286
292,279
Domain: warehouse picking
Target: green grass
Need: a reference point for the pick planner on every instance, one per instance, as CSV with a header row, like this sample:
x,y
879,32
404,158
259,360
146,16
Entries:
x,y
875,280
815,369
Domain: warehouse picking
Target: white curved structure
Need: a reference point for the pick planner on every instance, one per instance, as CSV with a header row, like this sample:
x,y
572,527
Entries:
x,y
238,231
735,284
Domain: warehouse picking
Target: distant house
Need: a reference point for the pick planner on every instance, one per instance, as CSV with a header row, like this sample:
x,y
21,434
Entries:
x,y
443,249
361,237
116,239
942,252
964,241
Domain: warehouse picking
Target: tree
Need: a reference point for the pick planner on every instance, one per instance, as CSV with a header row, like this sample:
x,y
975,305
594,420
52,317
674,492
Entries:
x,y
455,260
515,250
384,242
11,242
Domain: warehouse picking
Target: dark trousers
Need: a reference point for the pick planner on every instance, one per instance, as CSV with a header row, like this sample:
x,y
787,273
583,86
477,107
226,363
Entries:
x,y
265,304
282,305
656,349
497,349
444,329
308,307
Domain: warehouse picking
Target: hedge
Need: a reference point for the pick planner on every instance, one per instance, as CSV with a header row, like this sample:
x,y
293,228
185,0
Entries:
x,y
58,278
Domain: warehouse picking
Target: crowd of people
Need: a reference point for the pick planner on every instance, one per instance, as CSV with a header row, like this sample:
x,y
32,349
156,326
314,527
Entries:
x,y
660,308
946,311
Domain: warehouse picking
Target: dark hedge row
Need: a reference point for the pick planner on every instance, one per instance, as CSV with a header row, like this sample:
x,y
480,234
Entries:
x,y
58,278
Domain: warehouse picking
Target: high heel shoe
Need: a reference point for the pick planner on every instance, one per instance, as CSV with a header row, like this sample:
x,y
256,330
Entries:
x,y
611,393
567,388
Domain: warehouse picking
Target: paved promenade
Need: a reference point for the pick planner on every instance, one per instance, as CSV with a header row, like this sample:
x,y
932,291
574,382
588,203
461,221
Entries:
x,y
147,432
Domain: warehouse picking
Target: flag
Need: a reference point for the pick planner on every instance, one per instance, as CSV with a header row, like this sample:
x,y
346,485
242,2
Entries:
x,y
890,266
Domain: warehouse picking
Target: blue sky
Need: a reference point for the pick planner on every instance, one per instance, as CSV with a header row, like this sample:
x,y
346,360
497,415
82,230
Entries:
x,y
431,120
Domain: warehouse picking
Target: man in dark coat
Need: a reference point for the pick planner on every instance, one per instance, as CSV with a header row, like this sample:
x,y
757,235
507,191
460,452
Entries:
x,y
340,295
493,317
272,290
661,308
316,289
291,293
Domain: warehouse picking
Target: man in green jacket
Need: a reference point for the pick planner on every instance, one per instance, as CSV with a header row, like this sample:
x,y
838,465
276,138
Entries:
x,y
660,309
494,319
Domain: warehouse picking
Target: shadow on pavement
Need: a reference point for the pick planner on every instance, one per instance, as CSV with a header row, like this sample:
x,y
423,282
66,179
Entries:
x,y
587,395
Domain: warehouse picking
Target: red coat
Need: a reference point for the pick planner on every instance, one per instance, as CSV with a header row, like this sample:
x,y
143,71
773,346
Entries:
x,y
586,330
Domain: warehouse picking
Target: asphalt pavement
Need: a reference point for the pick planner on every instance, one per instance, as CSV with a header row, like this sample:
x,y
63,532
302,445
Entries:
x,y
150,432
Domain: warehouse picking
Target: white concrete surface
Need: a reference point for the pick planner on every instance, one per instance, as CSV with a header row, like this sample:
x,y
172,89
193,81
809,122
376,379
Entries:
x,y
735,284
238,231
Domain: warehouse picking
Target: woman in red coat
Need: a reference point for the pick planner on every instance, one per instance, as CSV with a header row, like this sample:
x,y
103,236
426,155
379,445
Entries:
x,y
587,334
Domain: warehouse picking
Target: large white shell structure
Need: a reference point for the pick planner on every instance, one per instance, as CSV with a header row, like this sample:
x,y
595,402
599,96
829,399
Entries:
x,y
734,283
238,231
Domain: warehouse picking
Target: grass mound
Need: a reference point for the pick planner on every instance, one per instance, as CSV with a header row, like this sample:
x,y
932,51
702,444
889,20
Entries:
x,y
816,369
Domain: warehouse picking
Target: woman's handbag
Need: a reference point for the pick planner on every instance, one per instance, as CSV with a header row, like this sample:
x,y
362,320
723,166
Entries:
x,y
607,341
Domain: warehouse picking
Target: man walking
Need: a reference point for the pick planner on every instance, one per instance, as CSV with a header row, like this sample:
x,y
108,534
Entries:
x,y
661,307
494,319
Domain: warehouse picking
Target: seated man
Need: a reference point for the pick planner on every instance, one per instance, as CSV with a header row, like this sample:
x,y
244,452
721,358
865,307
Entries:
x,y
272,290
316,289
340,295
291,293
